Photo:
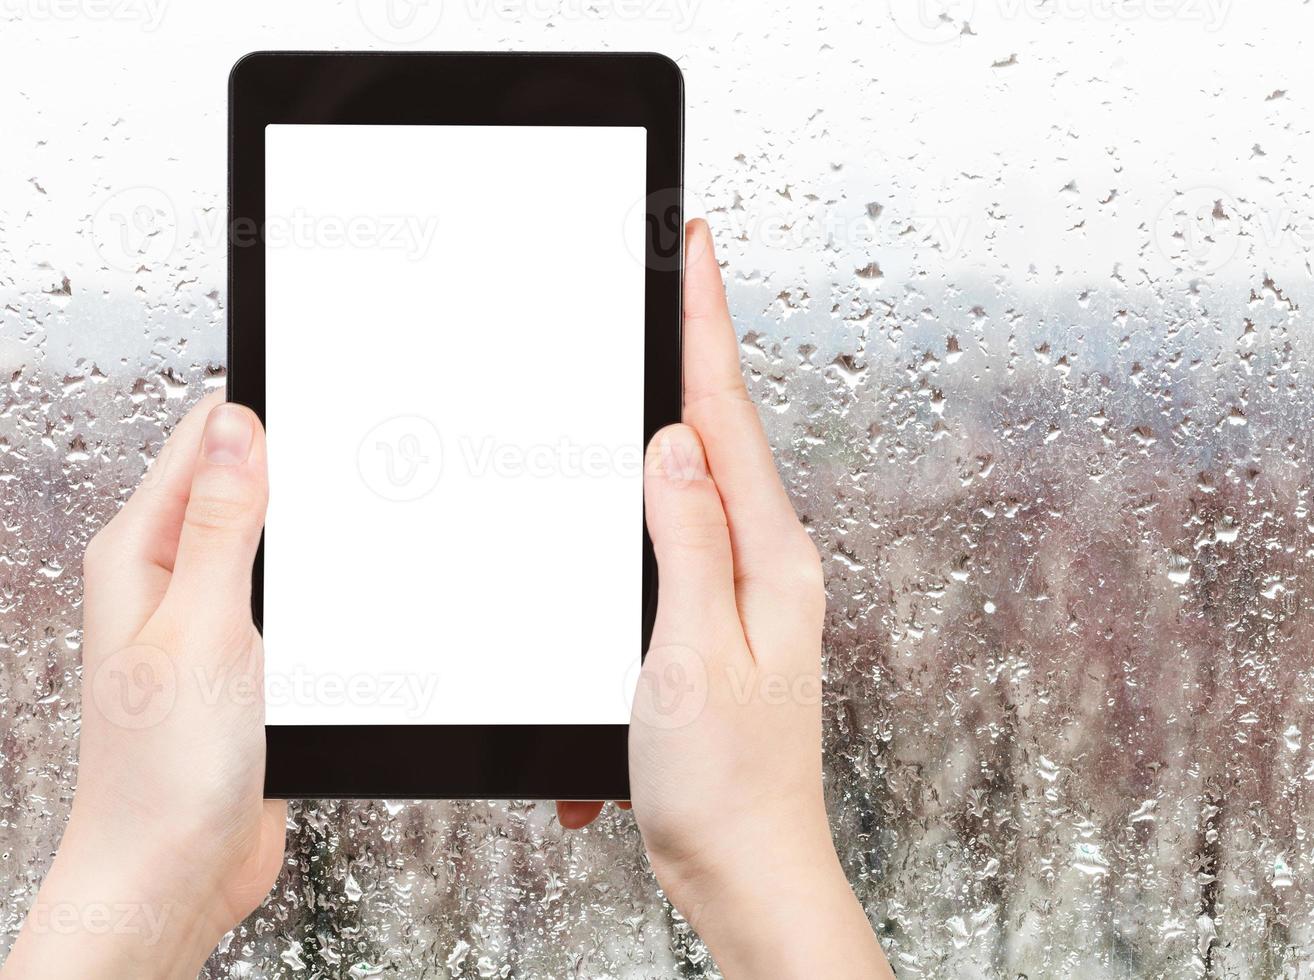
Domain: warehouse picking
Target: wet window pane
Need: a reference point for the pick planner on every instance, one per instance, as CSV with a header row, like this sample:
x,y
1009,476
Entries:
x,y
1022,289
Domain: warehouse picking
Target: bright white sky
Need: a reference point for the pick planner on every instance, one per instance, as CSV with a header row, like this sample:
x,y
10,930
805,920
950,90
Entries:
x,y
851,103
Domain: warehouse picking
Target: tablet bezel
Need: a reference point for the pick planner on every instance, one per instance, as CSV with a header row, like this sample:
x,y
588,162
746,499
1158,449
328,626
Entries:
x,y
585,762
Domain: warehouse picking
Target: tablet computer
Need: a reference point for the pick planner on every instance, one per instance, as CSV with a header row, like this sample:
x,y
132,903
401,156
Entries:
x,y
454,301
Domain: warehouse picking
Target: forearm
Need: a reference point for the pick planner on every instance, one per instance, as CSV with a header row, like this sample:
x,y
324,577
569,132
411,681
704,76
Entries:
x,y
107,913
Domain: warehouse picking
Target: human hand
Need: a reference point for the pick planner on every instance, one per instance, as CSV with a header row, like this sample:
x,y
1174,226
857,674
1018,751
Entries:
x,y
725,736
169,843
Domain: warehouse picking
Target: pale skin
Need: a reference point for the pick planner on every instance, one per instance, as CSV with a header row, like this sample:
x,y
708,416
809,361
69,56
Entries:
x,y
170,843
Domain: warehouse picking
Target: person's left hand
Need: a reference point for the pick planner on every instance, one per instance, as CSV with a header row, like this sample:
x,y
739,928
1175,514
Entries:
x,y
170,843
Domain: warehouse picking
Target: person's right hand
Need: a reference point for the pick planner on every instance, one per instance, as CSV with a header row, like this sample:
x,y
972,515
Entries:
x,y
725,737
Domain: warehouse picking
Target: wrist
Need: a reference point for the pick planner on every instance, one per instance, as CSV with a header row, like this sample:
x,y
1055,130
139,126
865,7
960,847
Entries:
x,y
741,851
697,883
784,911
113,908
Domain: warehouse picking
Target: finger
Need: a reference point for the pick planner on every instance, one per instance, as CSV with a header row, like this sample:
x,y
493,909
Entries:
x,y
716,403
150,521
211,583
774,558
696,589
128,563
574,814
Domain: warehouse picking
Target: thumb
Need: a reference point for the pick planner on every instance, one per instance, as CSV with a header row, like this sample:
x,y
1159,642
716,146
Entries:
x,y
690,538
223,519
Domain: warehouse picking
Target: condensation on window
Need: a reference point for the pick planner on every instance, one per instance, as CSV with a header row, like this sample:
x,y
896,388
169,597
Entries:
x,y
1022,291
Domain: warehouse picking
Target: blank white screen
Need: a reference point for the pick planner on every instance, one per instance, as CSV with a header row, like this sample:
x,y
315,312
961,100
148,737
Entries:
x,y
454,400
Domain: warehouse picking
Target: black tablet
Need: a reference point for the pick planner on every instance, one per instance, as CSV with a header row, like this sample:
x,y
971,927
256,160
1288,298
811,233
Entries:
x,y
454,300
